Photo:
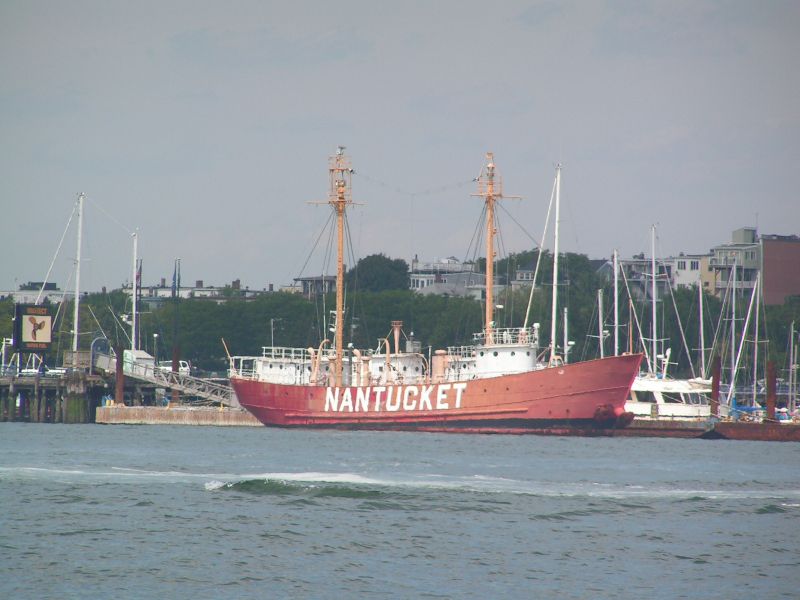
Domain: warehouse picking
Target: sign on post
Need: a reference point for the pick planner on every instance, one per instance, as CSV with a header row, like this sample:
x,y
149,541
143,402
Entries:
x,y
33,328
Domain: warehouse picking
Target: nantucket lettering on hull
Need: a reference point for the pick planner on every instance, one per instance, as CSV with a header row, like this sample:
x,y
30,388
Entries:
x,y
394,398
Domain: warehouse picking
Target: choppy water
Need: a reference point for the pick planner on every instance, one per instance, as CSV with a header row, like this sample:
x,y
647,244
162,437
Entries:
x,y
91,511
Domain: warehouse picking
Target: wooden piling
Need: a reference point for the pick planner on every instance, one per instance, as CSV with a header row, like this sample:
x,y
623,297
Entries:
x,y
41,404
771,380
119,373
715,375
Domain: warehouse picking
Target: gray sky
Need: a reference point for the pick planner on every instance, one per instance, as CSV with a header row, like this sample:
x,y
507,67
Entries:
x,y
207,126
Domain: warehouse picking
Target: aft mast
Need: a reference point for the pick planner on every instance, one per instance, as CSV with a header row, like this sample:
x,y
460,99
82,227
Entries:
x,y
339,197
490,188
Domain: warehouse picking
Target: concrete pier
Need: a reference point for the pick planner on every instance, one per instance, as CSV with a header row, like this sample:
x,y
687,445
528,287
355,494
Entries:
x,y
155,415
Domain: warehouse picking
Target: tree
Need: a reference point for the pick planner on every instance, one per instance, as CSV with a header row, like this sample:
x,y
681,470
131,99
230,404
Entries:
x,y
377,273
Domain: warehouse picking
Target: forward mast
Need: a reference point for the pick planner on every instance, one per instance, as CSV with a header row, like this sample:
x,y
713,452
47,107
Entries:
x,y
339,197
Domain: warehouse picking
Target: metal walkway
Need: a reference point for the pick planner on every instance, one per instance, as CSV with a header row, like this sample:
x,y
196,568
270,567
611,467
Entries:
x,y
208,391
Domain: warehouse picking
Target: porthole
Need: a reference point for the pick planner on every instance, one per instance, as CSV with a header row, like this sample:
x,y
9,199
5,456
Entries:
x,y
494,353
513,353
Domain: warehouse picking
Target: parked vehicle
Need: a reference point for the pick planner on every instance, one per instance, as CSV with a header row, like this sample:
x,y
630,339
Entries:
x,y
184,368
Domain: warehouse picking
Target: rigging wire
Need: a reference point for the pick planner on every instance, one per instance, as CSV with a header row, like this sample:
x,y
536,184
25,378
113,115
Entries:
x,y
720,332
355,290
650,365
326,261
426,192
58,250
316,243
680,325
501,247
107,214
537,244
539,257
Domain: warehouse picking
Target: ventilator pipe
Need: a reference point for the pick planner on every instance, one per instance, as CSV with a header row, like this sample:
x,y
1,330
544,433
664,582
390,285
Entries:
x,y
388,367
357,356
315,368
397,326
439,365
365,374
312,353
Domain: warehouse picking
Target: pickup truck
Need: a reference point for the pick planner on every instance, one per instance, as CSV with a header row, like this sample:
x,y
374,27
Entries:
x,y
183,366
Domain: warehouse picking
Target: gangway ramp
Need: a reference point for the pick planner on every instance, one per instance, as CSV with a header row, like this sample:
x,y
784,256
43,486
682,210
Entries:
x,y
208,391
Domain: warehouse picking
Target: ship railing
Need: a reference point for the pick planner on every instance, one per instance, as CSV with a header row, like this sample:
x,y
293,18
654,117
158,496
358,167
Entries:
x,y
505,336
243,366
283,353
461,352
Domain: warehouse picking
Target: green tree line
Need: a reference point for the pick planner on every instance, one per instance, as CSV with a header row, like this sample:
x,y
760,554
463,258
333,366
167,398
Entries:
x,y
377,294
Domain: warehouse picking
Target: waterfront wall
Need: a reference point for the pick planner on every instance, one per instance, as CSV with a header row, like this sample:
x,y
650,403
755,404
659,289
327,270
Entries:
x,y
154,415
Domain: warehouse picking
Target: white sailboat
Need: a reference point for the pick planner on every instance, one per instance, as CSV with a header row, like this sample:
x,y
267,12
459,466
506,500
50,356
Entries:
x,y
656,395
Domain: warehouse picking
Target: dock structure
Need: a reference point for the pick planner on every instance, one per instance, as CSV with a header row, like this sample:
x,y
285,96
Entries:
x,y
75,395
64,398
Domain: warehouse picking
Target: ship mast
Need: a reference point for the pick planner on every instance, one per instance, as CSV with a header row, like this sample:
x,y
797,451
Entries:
x,y
339,197
653,296
77,303
554,307
490,188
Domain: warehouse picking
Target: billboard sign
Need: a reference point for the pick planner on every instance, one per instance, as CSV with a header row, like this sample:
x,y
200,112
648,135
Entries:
x,y
33,328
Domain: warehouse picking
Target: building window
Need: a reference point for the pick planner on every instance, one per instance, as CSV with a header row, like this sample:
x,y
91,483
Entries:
x,y
695,265
681,265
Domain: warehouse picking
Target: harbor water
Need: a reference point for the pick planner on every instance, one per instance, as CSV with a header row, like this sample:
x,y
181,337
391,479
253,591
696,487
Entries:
x,y
90,511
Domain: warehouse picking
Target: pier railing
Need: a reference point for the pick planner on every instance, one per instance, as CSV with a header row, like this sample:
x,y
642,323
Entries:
x,y
209,392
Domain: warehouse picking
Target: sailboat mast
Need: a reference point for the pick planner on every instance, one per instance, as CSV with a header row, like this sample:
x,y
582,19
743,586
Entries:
x,y
702,333
600,322
339,197
741,342
653,293
135,288
733,322
616,303
792,370
554,310
630,326
77,284
755,344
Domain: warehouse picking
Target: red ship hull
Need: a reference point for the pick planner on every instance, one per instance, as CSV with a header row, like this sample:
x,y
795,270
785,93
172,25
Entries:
x,y
581,397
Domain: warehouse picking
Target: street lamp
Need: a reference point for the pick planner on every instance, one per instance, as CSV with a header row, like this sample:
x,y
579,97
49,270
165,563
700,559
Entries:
x,y
155,347
272,330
